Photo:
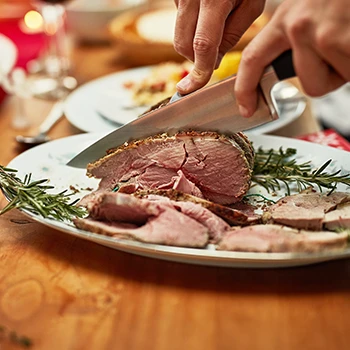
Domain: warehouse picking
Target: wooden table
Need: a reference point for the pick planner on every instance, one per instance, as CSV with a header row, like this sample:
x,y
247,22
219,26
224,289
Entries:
x,y
68,293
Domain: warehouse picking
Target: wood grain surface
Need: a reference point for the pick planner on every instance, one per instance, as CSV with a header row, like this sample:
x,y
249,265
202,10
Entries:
x,y
68,293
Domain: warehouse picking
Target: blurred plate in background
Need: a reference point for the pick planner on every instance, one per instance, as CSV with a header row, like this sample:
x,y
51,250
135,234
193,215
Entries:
x,y
81,106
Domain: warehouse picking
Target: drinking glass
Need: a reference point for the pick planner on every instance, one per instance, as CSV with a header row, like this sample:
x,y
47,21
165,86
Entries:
x,y
51,74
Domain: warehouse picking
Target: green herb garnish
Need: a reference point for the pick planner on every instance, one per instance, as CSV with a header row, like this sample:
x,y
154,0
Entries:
x,y
14,337
32,196
272,168
263,198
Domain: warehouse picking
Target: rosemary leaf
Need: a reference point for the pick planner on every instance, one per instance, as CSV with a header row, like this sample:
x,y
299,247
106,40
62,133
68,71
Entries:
x,y
275,167
264,199
32,197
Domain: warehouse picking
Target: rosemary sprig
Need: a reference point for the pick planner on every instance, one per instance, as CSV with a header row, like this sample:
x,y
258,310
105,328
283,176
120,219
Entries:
x,y
14,337
272,168
263,198
32,196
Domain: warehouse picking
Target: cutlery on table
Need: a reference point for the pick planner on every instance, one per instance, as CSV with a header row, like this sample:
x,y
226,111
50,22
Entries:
x,y
211,108
55,114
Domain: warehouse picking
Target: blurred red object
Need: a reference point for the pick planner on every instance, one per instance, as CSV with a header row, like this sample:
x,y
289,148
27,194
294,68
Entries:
x,y
329,138
2,95
29,45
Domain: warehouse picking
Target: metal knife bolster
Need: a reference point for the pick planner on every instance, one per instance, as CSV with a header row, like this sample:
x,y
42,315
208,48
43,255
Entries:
x,y
267,82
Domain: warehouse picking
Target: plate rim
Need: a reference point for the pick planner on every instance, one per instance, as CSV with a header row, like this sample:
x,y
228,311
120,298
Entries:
x,y
206,257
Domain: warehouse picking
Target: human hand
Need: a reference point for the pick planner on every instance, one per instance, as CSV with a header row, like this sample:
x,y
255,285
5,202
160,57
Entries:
x,y
206,29
317,31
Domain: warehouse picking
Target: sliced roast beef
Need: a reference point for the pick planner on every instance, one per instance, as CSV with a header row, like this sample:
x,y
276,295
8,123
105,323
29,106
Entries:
x,y
184,185
119,207
161,220
242,215
278,238
217,227
124,216
338,218
154,231
305,210
206,164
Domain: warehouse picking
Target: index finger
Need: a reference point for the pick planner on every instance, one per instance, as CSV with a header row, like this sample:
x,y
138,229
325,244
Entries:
x,y
185,27
206,42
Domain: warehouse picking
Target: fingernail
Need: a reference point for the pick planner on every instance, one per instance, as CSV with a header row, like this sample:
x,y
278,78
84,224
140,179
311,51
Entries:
x,y
184,84
244,111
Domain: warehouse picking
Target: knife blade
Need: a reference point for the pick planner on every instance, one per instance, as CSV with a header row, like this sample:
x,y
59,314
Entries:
x,y
211,108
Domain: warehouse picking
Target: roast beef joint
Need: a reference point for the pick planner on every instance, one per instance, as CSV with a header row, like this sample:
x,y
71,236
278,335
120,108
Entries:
x,y
208,165
186,190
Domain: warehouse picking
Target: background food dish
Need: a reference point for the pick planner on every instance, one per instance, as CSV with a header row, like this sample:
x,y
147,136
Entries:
x,y
82,104
88,19
50,160
143,50
104,104
146,35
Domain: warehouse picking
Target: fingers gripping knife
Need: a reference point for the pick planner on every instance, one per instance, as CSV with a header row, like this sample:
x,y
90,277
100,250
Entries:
x,y
212,108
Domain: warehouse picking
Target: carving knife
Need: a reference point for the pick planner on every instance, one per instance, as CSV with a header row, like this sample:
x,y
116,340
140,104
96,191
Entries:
x,y
212,108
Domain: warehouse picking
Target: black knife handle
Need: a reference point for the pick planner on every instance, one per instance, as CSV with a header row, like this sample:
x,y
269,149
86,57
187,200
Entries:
x,y
283,65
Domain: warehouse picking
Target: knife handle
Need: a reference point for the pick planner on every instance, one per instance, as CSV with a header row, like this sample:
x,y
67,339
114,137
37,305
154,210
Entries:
x,y
283,65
